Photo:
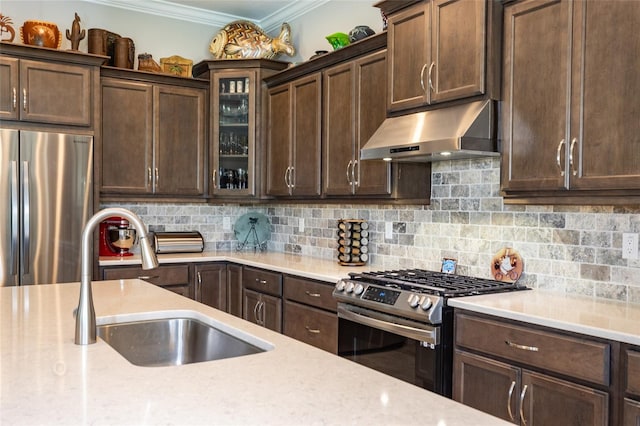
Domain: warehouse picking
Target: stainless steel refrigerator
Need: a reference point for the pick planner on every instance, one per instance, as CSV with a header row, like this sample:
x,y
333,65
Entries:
x,y
46,188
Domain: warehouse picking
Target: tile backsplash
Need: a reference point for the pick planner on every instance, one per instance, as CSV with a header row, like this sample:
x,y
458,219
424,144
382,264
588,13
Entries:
x,y
573,249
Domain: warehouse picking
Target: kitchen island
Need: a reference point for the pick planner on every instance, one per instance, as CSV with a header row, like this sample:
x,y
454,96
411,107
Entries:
x,y
47,379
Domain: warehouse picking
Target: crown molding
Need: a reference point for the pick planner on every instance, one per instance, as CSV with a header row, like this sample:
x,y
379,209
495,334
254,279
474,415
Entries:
x,y
167,9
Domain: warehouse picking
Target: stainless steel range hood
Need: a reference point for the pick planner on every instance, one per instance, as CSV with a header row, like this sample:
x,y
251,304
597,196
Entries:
x,y
461,131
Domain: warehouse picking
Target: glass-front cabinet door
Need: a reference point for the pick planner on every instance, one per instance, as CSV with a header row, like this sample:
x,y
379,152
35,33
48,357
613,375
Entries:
x,y
233,149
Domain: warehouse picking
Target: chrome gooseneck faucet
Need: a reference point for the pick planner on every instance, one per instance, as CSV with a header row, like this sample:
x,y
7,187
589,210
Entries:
x,y
86,315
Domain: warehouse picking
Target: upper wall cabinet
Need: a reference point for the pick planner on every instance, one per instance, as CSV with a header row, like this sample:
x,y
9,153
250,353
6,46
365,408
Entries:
x,y
153,135
321,113
437,52
571,127
294,137
353,109
45,86
238,127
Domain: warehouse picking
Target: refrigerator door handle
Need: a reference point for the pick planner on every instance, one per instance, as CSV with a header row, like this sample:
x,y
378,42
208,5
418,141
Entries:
x,y
13,267
27,214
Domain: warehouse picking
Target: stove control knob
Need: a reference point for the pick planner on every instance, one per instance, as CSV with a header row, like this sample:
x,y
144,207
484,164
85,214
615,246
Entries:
x,y
425,303
358,289
414,300
340,285
349,287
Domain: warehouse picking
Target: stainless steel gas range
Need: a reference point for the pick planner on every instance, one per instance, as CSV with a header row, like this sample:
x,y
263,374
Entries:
x,y
398,322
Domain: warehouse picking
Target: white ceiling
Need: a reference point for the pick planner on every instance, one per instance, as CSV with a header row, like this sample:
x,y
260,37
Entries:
x,y
268,14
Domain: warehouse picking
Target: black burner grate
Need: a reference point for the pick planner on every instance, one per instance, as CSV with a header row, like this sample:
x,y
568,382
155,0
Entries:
x,y
446,285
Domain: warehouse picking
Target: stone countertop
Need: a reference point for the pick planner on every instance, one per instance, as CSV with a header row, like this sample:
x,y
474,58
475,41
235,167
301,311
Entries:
x,y
47,379
613,320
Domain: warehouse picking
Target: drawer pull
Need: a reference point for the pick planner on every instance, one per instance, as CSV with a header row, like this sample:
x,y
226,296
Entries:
x,y
523,347
522,395
259,281
513,386
312,330
148,277
308,293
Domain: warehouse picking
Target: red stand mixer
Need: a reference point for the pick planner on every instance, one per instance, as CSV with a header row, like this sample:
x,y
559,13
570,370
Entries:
x,y
116,237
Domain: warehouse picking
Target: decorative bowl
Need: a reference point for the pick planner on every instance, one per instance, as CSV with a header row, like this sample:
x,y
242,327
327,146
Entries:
x,y
338,40
41,33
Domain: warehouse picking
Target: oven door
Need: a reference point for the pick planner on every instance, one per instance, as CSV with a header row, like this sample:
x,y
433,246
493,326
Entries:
x,y
405,349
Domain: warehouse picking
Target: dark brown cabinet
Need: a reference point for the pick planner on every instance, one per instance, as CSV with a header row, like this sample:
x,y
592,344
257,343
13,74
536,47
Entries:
x,y
153,137
234,289
437,52
631,403
45,86
310,313
353,111
570,129
262,291
506,370
211,286
238,125
176,278
294,138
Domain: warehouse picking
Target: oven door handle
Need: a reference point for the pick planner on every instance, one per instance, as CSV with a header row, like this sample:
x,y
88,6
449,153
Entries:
x,y
428,334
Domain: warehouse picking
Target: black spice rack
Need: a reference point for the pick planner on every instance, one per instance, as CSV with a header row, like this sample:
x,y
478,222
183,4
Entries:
x,y
353,242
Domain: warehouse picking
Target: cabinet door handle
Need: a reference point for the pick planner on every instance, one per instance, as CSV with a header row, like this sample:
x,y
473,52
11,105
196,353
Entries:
x,y
430,74
522,395
308,293
286,177
424,67
214,177
199,286
562,142
292,177
355,181
157,177
261,313
255,312
24,99
349,180
523,347
14,99
509,397
149,176
312,330
574,172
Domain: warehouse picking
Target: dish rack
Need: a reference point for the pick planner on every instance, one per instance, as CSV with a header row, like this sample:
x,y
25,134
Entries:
x,y
353,242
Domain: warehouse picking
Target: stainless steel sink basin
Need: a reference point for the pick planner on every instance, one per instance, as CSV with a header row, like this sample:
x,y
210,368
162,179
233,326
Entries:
x,y
172,341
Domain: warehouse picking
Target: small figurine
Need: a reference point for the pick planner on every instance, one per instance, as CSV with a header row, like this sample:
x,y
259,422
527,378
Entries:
x,y
243,39
75,35
5,27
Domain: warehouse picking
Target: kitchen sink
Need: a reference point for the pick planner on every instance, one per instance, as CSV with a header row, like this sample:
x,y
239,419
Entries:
x,y
172,341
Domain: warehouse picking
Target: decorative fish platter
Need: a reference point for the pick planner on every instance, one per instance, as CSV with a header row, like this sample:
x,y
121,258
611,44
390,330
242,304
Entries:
x,y
243,39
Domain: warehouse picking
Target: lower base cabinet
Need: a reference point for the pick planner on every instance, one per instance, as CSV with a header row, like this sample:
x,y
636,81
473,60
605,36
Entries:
x,y
525,397
310,313
262,292
631,404
211,287
175,277
262,309
526,375
234,289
